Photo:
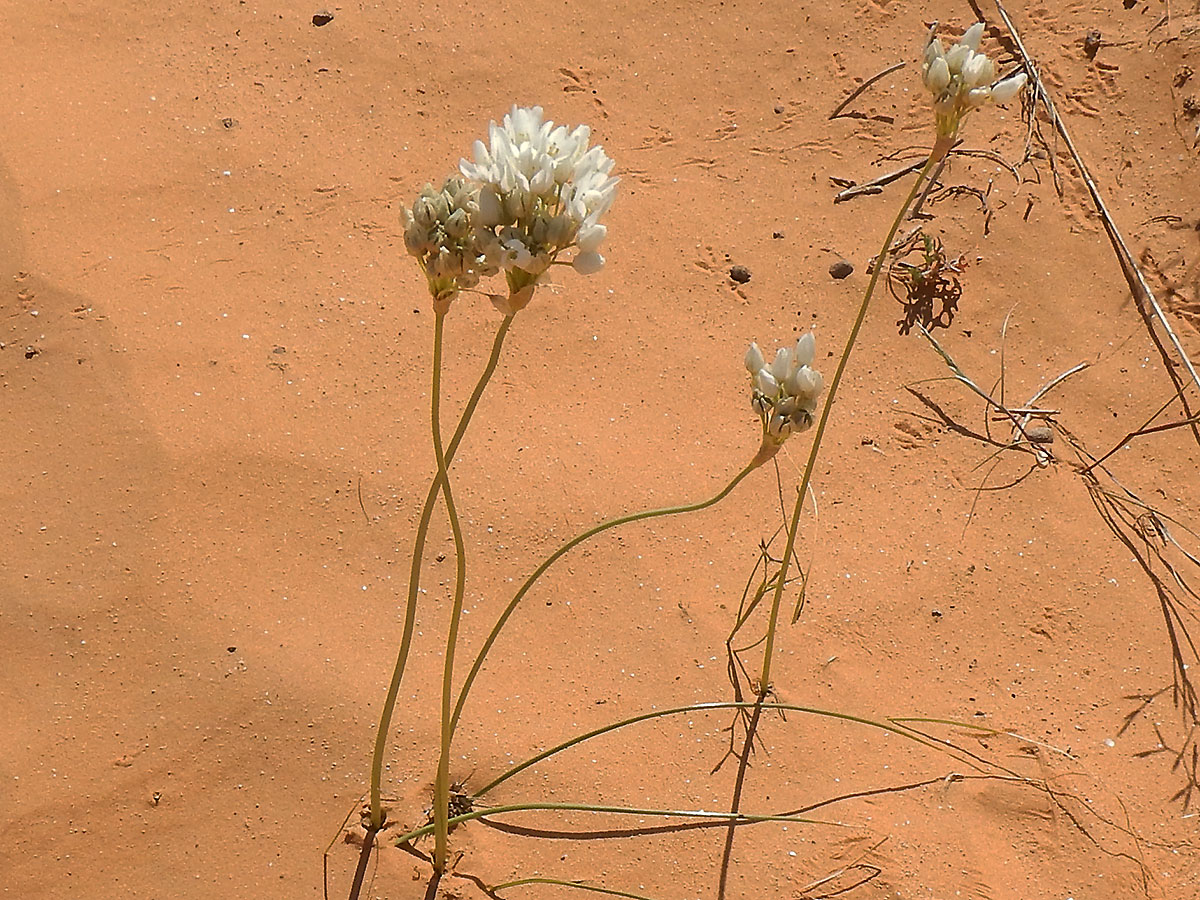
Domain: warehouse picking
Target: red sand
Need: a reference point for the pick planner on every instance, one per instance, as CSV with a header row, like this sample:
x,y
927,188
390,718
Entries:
x,y
214,388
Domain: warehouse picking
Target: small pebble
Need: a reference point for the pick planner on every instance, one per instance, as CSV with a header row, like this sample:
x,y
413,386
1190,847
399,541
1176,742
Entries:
x,y
323,17
841,269
778,235
1040,434
740,274
1091,43
779,109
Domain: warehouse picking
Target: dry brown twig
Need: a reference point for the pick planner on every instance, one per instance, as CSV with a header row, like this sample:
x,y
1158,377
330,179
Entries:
x,y
1145,531
862,87
1147,304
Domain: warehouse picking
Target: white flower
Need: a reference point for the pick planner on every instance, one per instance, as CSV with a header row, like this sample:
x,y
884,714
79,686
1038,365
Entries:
x,y
785,393
542,190
961,79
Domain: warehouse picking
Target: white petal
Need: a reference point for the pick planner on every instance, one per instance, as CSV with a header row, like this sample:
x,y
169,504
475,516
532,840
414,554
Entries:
x,y
490,211
588,263
590,237
979,96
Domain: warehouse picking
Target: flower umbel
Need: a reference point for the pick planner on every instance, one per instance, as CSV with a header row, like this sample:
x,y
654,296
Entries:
x,y
542,190
441,232
784,393
962,79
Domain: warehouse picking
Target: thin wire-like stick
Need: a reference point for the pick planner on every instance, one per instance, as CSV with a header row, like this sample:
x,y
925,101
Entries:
x,y
862,87
1133,275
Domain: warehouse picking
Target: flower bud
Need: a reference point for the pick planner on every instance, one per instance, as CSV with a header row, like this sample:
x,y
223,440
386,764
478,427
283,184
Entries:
x,y
490,210
1007,89
956,58
766,383
978,70
972,35
754,359
425,210
938,76
458,224
782,366
806,349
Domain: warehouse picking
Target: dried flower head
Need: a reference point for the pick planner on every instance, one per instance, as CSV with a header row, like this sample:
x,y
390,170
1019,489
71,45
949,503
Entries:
x,y
784,393
441,232
962,79
543,190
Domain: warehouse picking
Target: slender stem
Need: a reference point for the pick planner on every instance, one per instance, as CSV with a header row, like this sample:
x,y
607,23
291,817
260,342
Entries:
x,y
938,153
414,580
562,882
441,794
899,730
574,542
735,818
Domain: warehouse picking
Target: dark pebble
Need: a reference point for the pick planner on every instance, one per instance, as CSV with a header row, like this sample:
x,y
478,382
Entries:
x,y
322,18
841,269
740,274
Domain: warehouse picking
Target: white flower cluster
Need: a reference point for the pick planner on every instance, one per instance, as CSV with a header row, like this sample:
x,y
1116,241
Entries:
x,y
961,79
785,393
440,231
543,190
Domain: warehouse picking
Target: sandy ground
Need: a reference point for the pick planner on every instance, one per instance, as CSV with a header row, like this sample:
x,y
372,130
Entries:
x,y
214,391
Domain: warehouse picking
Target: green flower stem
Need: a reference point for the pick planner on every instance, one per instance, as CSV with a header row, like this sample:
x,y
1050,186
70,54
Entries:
x,y
899,730
561,882
441,787
574,542
414,578
733,818
764,682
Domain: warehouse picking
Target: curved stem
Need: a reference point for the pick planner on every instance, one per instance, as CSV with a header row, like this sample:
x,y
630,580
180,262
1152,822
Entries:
x,y
735,818
441,792
574,542
888,726
764,682
562,882
414,579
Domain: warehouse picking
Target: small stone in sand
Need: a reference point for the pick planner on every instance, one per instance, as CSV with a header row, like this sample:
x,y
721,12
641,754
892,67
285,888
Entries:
x,y
740,274
841,269
323,17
